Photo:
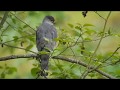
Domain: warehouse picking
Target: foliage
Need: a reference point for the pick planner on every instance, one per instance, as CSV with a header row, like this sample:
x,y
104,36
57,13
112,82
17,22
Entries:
x,y
6,70
81,41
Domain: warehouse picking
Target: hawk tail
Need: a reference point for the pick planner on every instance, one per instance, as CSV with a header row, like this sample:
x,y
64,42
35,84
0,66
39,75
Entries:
x,y
44,64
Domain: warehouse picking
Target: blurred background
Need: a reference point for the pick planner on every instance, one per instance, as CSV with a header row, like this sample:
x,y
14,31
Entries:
x,y
14,28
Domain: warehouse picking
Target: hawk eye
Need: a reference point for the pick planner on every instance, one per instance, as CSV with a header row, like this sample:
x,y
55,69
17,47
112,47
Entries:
x,y
52,20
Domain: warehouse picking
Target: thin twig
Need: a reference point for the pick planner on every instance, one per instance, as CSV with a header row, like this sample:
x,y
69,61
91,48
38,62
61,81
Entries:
x,y
23,22
111,55
70,45
3,44
87,69
102,35
4,19
92,40
18,38
99,15
83,64
2,34
107,58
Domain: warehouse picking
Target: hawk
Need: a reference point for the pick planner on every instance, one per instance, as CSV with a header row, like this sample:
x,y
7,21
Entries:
x,y
45,35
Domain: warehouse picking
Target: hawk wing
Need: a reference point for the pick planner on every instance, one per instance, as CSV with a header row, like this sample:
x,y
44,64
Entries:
x,y
44,37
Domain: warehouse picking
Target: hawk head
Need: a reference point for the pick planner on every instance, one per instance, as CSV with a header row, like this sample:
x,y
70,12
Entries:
x,y
49,19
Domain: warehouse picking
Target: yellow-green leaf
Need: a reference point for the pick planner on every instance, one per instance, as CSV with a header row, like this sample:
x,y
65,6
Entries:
x,y
70,25
46,39
43,52
34,71
87,25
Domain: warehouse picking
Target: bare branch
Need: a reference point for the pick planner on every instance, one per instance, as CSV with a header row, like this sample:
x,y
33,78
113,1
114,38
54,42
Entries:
x,y
112,54
83,64
17,56
102,35
104,28
99,15
107,59
4,19
56,57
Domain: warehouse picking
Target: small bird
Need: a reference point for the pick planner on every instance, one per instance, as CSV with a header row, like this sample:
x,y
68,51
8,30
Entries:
x,y
45,35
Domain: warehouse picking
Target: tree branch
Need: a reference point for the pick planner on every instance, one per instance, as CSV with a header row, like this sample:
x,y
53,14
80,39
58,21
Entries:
x,y
83,64
99,15
104,28
23,21
4,19
57,57
111,55
18,56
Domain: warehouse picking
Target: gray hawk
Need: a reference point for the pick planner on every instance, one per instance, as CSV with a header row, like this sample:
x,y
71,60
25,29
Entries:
x,y
45,35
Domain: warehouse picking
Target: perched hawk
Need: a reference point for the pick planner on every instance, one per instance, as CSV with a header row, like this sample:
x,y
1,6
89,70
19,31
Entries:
x,y
45,36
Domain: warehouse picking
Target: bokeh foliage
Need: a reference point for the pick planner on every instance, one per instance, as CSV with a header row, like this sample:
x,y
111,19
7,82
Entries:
x,y
78,37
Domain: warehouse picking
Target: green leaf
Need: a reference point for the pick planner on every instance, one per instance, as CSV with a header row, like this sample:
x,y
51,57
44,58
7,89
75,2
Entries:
x,y
34,71
1,67
100,33
25,26
82,49
87,25
119,44
20,31
32,39
99,57
4,35
55,73
114,61
63,30
46,39
76,32
92,74
60,66
14,21
43,52
100,63
109,32
77,27
15,38
29,47
3,75
34,64
70,25
20,28
11,70
88,39
57,39
0,18
78,24
90,31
